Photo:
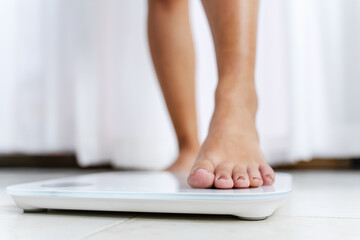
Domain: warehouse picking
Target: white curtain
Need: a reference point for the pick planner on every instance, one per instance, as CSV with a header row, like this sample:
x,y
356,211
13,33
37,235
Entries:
x,y
308,79
76,76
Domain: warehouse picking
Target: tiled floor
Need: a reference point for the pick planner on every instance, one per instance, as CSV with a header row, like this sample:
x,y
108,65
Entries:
x,y
324,205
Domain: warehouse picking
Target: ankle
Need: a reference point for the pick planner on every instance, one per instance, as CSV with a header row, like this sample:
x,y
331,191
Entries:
x,y
236,92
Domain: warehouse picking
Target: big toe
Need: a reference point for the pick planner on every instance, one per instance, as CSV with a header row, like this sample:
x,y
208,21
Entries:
x,y
202,176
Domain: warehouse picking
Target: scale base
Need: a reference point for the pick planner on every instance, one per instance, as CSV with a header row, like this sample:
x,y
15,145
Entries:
x,y
153,192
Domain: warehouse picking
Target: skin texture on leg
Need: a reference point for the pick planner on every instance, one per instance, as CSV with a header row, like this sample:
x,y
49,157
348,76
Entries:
x,y
230,156
172,51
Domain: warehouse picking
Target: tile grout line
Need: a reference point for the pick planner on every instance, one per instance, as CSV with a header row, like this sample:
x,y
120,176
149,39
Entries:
x,y
108,226
323,217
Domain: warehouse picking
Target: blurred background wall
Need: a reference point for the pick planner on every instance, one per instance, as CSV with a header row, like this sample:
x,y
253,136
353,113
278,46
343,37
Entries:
x,y
76,76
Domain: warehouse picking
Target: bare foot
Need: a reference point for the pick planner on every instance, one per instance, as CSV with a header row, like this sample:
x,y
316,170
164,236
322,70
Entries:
x,y
230,155
185,161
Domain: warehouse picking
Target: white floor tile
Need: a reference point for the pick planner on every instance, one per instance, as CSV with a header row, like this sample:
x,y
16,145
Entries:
x,y
56,225
324,194
190,227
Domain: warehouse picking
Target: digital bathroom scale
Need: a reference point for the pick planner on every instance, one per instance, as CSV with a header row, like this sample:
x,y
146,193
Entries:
x,y
142,191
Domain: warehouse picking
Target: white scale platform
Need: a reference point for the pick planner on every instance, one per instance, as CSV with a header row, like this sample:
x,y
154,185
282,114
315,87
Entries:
x,y
149,192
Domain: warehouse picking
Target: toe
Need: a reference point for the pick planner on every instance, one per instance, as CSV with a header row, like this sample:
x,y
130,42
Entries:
x,y
223,173
202,175
254,176
267,174
240,177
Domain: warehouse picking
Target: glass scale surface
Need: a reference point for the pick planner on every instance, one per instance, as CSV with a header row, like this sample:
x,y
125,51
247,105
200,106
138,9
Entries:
x,y
144,191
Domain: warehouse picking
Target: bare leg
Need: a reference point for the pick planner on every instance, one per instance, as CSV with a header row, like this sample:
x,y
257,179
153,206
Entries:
x,y
230,156
172,52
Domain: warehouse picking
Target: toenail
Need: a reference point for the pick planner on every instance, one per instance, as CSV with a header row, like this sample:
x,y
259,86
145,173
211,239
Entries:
x,y
200,169
269,176
241,178
256,178
222,178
